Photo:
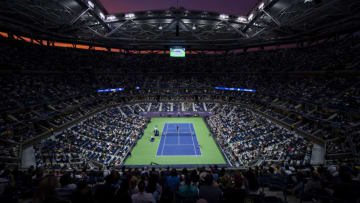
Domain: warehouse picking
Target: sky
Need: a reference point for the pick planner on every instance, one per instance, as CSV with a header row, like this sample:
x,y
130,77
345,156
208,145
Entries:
x,y
236,7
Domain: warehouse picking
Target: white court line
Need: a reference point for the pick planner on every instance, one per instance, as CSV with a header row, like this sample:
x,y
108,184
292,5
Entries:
x,y
178,135
192,138
198,143
178,155
162,151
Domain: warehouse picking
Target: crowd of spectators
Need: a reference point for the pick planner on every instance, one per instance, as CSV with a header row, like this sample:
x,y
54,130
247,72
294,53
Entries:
x,y
187,106
339,92
105,139
166,107
199,106
312,89
336,183
46,87
96,70
225,113
339,145
247,138
155,107
9,150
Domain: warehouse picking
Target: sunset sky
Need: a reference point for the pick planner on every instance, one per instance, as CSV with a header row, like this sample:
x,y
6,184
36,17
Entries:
x,y
238,7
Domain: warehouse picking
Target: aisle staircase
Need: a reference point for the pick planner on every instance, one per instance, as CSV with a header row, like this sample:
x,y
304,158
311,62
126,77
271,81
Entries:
x,y
28,157
122,113
140,107
232,110
131,109
205,107
318,155
212,109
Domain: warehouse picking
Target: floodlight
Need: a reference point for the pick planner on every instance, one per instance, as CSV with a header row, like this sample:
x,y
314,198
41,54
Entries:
x,y
91,4
224,17
102,16
129,16
261,6
250,17
242,19
112,17
160,27
194,27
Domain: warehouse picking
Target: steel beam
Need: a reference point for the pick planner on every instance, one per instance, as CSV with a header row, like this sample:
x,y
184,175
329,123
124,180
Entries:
x,y
73,21
116,29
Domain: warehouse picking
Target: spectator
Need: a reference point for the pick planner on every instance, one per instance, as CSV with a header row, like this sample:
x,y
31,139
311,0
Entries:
x,y
208,190
188,191
142,196
233,192
173,181
66,187
123,194
46,192
153,187
105,192
82,194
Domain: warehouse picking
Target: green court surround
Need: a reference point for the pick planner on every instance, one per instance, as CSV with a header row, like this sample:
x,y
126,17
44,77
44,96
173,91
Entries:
x,y
144,152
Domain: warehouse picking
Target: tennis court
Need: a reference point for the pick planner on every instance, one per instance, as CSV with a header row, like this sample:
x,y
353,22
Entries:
x,y
146,152
178,139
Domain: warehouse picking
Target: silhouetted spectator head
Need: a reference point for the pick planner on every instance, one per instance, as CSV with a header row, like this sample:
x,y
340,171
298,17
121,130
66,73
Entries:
x,y
141,186
65,180
208,179
226,181
187,180
238,179
173,172
344,174
46,191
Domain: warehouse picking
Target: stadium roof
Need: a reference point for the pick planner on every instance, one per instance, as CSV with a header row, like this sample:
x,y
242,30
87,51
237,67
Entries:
x,y
270,22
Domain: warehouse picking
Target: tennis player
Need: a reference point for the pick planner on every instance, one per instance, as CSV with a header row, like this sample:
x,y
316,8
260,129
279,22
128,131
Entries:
x,y
177,128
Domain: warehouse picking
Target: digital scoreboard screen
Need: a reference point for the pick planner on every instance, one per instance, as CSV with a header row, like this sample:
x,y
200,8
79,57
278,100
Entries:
x,y
178,52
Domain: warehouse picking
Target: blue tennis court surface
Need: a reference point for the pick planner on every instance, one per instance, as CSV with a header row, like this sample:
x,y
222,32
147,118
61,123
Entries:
x,y
178,139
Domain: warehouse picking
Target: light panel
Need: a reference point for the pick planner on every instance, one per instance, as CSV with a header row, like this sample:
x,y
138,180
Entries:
x,y
91,4
129,16
224,17
250,17
242,19
111,17
102,16
261,6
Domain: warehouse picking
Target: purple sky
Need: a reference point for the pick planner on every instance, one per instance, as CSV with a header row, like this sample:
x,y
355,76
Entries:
x,y
238,7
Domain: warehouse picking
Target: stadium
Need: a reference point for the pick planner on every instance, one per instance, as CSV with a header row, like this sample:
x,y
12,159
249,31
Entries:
x,y
104,103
